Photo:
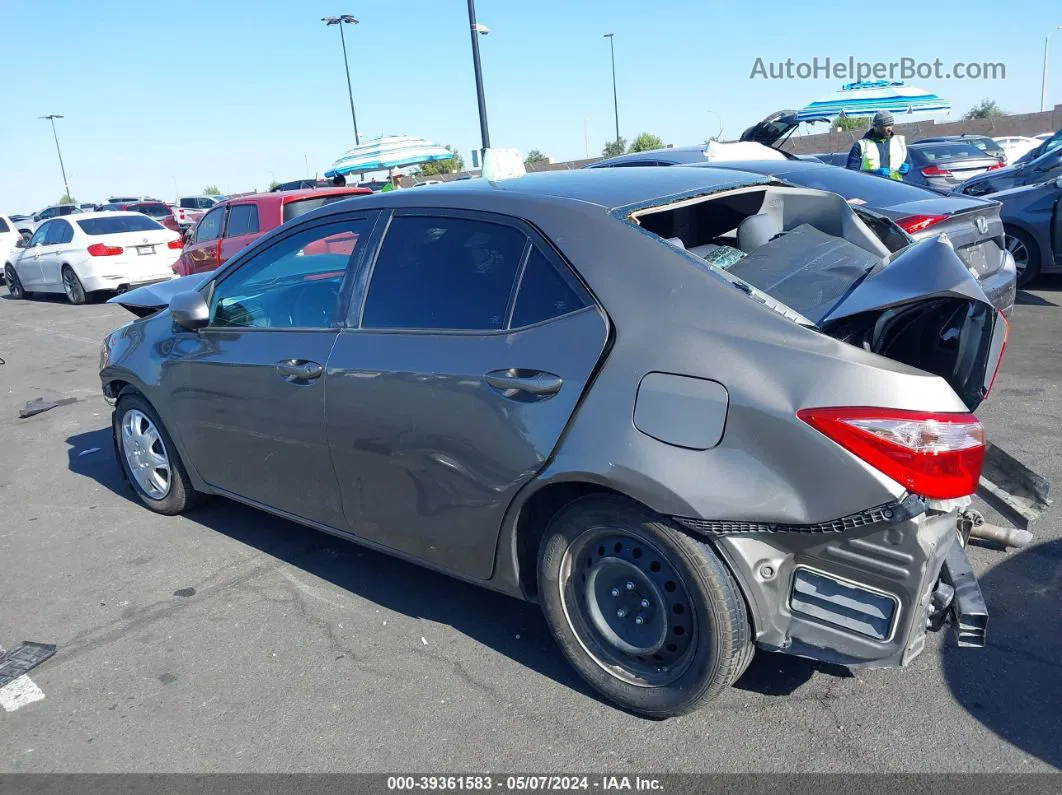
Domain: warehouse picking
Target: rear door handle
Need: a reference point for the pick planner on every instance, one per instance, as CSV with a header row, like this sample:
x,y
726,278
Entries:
x,y
528,382
296,370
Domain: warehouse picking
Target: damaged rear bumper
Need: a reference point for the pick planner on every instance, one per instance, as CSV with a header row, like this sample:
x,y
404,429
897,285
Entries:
x,y
862,590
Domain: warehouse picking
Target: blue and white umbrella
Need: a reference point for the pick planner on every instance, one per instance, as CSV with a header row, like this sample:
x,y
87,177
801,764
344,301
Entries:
x,y
389,151
868,97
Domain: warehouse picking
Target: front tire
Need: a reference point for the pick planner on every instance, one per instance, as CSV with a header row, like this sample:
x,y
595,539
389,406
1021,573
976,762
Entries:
x,y
14,285
149,458
72,286
1025,252
650,617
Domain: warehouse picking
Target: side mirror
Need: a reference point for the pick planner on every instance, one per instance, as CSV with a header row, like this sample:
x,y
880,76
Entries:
x,y
1058,182
189,310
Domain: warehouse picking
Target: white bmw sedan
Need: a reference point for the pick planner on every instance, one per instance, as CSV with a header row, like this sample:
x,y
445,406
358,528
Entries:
x,y
90,252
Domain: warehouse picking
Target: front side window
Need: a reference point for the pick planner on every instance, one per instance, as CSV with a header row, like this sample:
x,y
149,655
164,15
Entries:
x,y
243,220
48,213
443,273
205,203
209,227
294,283
39,235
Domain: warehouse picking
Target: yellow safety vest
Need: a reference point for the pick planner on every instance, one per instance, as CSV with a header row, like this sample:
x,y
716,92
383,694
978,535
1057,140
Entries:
x,y
897,155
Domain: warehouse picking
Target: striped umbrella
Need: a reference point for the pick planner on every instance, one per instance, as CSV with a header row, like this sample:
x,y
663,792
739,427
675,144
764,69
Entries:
x,y
389,151
868,97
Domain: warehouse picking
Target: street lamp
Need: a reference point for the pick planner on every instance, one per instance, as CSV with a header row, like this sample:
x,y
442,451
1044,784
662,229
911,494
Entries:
x,y
52,117
615,100
346,19
1043,85
478,30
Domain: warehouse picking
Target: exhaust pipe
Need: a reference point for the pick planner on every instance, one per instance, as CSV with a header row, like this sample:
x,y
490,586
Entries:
x,y
969,614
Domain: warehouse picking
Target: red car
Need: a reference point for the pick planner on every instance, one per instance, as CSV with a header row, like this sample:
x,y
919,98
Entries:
x,y
162,213
236,223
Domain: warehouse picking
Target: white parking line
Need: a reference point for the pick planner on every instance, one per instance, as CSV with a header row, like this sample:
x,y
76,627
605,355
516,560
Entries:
x,y
19,693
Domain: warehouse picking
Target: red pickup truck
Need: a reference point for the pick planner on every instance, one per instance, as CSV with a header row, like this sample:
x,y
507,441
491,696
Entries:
x,y
236,223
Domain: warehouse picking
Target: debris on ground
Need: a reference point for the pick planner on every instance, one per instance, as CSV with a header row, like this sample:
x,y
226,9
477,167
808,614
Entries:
x,y
90,451
22,658
40,405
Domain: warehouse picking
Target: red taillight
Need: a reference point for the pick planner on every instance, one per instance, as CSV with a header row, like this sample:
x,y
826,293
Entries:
x,y
1000,164
103,250
935,171
178,243
939,456
919,223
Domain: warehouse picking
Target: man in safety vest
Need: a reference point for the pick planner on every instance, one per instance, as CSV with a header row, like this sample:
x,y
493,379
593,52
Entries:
x,y
880,151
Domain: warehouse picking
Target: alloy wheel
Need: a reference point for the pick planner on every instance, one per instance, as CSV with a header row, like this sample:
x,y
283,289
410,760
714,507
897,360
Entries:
x,y
72,286
628,606
1019,251
14,286
145,454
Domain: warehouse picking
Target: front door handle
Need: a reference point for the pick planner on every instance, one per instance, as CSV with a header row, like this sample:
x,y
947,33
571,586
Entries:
x,y
299,370
533,383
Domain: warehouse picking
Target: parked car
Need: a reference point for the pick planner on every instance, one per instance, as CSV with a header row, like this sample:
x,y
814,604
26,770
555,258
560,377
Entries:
x,y
237,223
1048,142
900,213
9,236
1046,136
162,213
833,159
985,144
55,211
23,223
427,182
189,209
89,252
536,385
1016,146
1032,220
302,184
1044,168
945,166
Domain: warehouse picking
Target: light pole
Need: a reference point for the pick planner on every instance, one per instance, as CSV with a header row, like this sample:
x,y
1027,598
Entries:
x,y
615,99
52,117
478,30
1043,85
346,19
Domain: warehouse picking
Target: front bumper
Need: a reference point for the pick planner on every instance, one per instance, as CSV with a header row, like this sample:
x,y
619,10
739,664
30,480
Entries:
x,y
861,592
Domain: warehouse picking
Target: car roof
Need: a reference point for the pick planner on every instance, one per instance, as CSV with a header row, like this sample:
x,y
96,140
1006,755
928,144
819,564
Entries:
x,y
286,196
608,188
680,153
90,216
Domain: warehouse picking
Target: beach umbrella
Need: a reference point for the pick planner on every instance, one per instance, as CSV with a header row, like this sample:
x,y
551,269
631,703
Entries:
x,y
866,98
386,152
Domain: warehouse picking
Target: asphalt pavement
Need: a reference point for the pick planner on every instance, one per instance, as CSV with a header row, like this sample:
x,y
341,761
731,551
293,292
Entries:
x,y
230,640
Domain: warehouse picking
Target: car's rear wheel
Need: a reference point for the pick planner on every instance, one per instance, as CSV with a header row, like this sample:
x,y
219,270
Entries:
x,y
14,286
1025,252
72,286
149,458
649,616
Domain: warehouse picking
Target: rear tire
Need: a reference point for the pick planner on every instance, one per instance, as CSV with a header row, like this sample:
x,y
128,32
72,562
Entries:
x,y
149,458
72,286
14,285
1020,244
605,563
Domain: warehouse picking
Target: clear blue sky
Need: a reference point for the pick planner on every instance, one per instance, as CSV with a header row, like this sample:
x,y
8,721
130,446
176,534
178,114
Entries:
x,y
235,92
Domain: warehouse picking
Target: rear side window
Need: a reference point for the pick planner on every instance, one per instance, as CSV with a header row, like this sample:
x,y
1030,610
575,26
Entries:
x,y
444,273
117,224
544,293
302,206
243,220
209,227
61,232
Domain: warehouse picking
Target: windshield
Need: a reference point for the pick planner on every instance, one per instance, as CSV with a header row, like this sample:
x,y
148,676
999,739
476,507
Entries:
x,y
117,224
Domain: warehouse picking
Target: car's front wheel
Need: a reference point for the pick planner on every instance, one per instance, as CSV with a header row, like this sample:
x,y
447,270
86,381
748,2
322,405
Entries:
x,y
649,616
14,286
1025,252
149,458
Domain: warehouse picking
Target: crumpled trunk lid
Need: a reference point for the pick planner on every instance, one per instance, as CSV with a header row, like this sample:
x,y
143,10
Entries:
x,y
151,298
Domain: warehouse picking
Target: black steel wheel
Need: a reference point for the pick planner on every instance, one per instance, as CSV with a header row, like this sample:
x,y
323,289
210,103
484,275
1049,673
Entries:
x,y
649,616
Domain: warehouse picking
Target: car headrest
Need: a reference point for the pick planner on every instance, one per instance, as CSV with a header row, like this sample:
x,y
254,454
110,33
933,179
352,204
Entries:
x,y
756,230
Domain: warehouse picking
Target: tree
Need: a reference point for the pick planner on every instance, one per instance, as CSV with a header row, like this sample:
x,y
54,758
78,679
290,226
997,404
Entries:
x,y
985,109
535,158
66,198
436,167
614,148
273,184
645,142
211,190
848,123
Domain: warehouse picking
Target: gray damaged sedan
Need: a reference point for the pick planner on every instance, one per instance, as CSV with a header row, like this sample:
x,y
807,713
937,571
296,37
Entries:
x,y
691,412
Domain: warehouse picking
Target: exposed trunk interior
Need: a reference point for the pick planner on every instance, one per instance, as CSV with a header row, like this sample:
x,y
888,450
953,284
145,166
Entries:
x,y
812,253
